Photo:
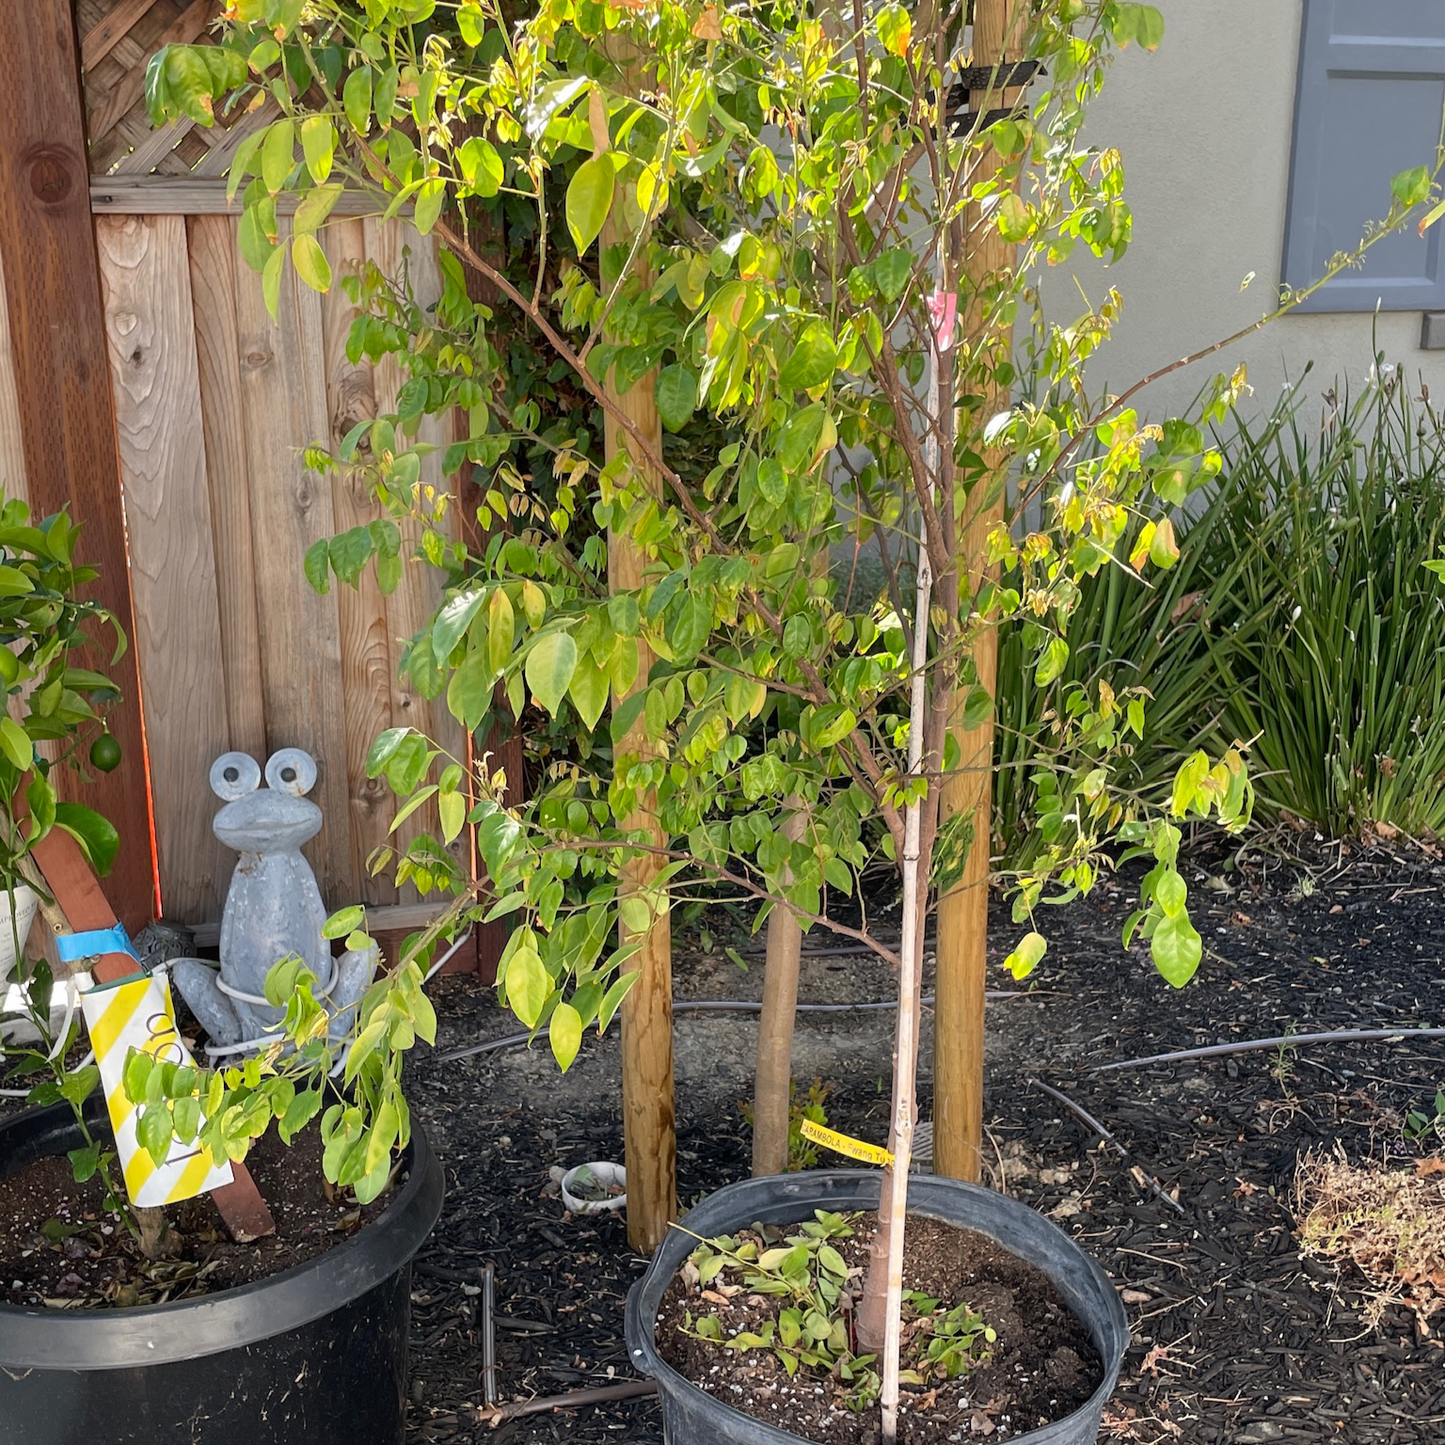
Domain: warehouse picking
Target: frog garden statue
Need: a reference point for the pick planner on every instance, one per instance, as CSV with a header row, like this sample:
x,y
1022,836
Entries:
x,y
273,908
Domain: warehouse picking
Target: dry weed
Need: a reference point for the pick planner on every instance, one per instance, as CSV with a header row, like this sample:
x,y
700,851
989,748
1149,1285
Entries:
x,y
1389,1223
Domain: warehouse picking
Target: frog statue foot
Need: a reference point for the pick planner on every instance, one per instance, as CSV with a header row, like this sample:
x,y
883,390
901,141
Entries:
x,y
274,908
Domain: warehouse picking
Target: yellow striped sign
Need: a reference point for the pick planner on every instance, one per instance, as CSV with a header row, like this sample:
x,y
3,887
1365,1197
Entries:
x,y
139,1014
845,1144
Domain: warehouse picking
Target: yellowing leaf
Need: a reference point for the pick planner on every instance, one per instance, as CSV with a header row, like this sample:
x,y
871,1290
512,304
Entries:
x,y
589,199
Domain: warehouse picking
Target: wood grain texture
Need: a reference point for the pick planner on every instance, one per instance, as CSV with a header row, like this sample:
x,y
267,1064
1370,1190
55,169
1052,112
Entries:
x,y
101,37
394,246
62,383
145,276
648,1109
366,654
283,404
12,442
200,194
962,953
213,266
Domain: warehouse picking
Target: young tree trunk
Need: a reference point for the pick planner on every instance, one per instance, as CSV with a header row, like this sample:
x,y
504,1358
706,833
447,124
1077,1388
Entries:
x,y
772,1084
963,910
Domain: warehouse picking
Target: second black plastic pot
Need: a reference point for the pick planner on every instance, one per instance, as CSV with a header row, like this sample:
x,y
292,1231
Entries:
x,y
691,1416
315,1354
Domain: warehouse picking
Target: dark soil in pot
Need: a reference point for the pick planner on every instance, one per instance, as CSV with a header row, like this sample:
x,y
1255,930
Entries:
x,y
60,1247
1040,1368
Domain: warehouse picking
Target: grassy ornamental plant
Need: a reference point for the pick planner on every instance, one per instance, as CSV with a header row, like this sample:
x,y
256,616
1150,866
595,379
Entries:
x,y
762,215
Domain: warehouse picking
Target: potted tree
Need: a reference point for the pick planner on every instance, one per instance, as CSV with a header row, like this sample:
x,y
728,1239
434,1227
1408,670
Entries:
x,y
771,217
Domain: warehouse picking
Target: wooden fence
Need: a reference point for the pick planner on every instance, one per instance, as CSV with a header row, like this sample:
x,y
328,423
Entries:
x,y
213,404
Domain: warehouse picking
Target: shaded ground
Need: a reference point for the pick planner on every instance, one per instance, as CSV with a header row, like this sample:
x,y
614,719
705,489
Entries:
x,y
1236,1338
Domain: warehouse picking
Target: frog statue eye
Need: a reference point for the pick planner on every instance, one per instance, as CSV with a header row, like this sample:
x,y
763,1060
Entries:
x,y
291,771
233,775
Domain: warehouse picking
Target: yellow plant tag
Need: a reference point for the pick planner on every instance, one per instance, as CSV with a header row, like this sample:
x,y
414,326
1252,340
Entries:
x,y
845,1144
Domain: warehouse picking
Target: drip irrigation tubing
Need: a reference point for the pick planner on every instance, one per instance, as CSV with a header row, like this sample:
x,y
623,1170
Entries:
x,y
722,1005
1290,1041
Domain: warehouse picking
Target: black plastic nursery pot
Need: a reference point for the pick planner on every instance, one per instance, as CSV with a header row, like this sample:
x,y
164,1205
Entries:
x,y
316,1353
691,1416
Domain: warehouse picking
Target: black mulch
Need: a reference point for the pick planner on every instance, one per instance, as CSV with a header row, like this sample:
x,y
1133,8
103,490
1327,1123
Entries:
x,y
1236,1337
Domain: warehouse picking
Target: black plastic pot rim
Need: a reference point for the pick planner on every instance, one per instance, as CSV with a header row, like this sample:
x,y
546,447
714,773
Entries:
x,y
53,1339
682,1239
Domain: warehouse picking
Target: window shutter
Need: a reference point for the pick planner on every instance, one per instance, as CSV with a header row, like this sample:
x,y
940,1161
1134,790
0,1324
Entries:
x,y
1368,104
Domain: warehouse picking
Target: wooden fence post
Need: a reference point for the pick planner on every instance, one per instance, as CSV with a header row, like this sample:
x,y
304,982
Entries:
x,y
62,376
963,910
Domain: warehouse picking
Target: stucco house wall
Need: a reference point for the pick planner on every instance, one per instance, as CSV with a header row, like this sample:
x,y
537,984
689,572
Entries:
x,y
1204,125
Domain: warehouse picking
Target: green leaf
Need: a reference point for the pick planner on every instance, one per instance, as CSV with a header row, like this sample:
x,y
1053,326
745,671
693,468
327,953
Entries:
x,y
96,835
1186,783
271,281
589,199
454,619
1051,664
1412,186
549,668
15,743
812,361
1150,28
356,100
481,166
154,1131
84,1162
1171,893
612,1000
469,693
315,206
318,145
1025,958
452,812
528,985
589,689
676,396
427,207
501,630
895,29
310,262
892,270
188,82
318,565
564,1032
1177,949
278,155
342,922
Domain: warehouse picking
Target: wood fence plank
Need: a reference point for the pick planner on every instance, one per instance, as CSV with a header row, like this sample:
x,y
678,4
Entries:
x,y
198,193
291,509
47,250
145,276
228,468
155,147
421,588
12,442
366,657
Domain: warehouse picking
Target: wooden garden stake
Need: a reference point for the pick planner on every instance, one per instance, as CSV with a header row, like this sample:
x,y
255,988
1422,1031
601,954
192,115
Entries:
x,y
650,1139
963,910
773,1079
67,876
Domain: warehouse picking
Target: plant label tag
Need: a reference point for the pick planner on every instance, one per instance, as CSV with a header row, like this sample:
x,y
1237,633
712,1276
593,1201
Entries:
x,y
138,1013
845,1144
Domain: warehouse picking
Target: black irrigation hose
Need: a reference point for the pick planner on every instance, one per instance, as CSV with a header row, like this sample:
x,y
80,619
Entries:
x,y
719,1005
1245,1046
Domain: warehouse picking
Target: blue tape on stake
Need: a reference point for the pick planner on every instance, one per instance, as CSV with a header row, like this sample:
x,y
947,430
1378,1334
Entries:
x,y
72,947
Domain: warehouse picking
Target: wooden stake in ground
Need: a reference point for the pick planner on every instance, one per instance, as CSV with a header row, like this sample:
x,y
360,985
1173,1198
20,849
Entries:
x,y
963,910
649,1134
773,1080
